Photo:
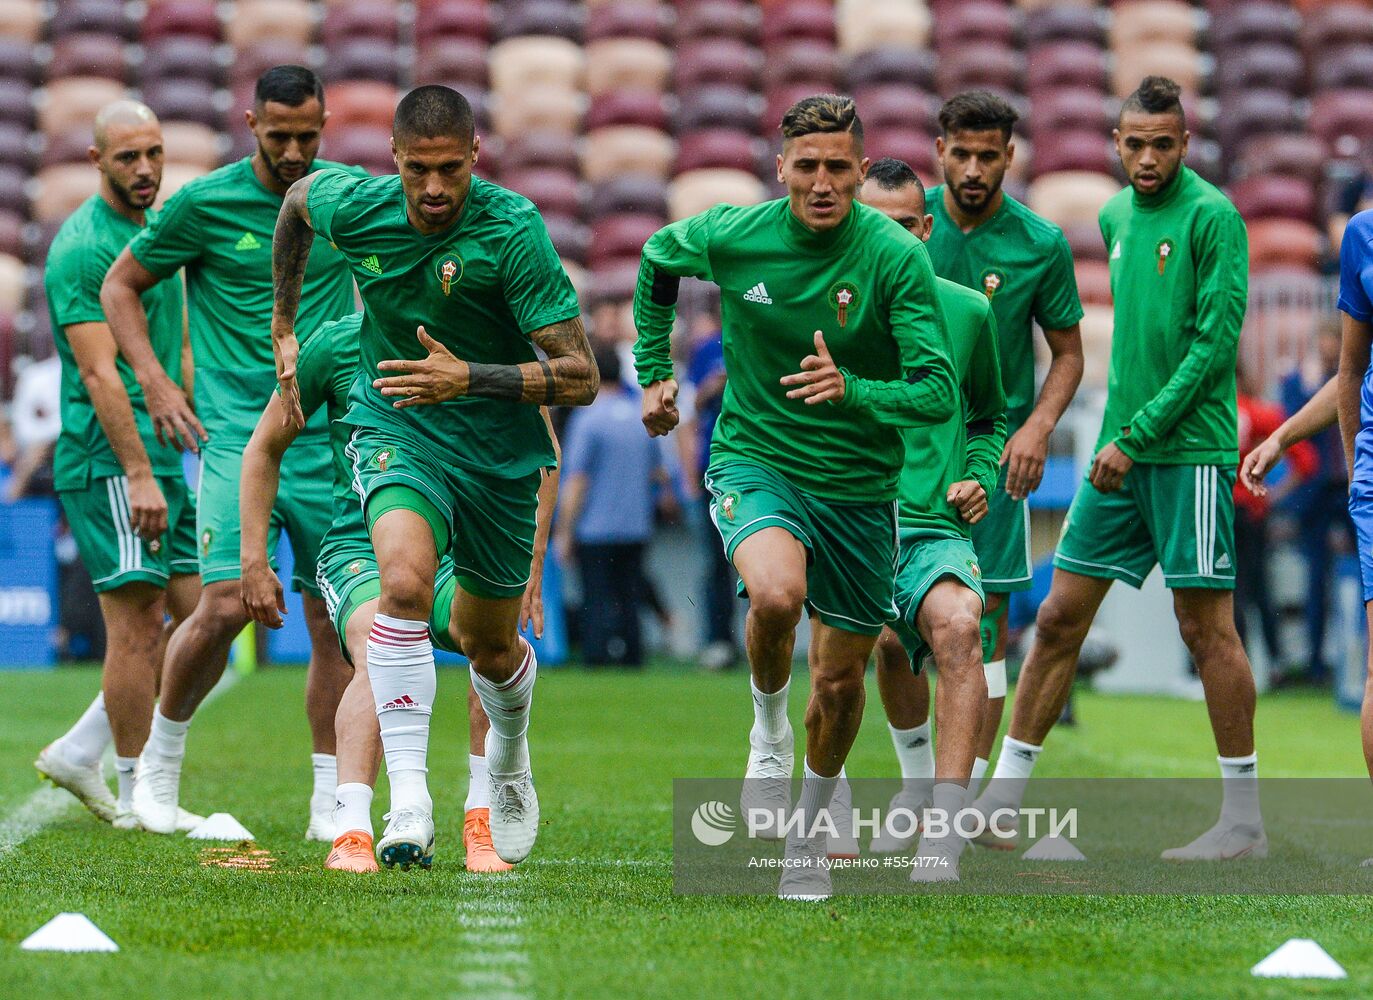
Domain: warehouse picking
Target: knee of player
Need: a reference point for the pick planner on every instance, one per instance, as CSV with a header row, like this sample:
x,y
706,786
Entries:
x,y
406,593
1203,638
835,688
220,609
891,654
777,604
957,630
489,652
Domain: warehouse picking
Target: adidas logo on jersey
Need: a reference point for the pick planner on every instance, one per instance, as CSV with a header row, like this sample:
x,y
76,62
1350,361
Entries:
x,y
372,264
247,242
758,293
1115,251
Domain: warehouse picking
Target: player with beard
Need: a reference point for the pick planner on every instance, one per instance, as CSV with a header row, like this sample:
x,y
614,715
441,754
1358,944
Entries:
x,y
219,228
986,240
1160,490
122,489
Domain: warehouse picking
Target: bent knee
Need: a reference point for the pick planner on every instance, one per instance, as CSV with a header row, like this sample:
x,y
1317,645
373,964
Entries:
x,y
1056,623
891,652
777,604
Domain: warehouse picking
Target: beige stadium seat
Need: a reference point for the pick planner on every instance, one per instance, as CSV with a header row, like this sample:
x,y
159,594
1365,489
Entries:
x,y
1034,5
535,61
1177,60
275,20
60,189
21,19
697,190
1142,22
1098,321
174,177
1071,197
71,104
627,64
11,284
550,108
871,24
190,144
626,149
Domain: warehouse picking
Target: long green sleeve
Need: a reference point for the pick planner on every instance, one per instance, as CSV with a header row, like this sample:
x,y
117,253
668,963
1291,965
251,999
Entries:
x,y
674,252
985,409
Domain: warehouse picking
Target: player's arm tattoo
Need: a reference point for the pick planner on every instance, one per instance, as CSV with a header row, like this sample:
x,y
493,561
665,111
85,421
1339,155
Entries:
x,y
291,242
568,378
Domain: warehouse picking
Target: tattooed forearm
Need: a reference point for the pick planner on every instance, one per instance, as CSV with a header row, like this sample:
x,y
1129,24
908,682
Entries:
x,y
495,381
290,252
568,378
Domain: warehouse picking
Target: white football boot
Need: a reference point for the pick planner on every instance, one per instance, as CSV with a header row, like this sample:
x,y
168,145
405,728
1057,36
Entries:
x,y
1223,842
843,844
87,783
767,784
514,803
806,875
408,840
889,841
156,787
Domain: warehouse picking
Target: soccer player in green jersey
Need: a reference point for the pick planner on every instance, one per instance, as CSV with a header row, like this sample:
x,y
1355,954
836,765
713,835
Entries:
x,y
1160,488
348,577
218,228
123,490
986,240
834,341
460,283
949,474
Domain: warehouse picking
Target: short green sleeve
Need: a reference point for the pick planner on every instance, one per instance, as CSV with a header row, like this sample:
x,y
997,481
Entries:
x,y
315,370
537,289
173,239
1057,305
329,190
72,283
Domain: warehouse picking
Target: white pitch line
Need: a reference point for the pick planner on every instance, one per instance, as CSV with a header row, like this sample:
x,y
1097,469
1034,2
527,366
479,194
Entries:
x,y
496,957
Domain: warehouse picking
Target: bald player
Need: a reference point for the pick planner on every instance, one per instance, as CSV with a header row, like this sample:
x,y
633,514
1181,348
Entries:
x,y
123,491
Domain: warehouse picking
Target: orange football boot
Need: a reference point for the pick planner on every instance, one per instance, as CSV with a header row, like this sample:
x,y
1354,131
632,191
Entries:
x,y
476,838
352,852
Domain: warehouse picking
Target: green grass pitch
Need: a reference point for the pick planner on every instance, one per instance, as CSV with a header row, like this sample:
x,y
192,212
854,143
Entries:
x,y
592,912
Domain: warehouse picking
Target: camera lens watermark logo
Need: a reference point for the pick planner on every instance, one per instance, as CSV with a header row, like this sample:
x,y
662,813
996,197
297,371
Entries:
x,y
713,823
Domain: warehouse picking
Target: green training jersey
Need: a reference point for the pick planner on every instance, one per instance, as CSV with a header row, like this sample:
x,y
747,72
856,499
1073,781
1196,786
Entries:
x,y
1180,278
325,371
1022,263
967,445
219,228
866,284
81,253
479,287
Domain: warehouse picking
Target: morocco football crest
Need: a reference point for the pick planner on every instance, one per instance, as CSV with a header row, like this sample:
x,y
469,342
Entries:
x,y
992,281
1164,250
448,269
843,296
383,458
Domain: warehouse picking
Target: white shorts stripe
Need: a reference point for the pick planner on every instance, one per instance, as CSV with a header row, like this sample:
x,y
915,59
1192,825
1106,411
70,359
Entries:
x,y
135,539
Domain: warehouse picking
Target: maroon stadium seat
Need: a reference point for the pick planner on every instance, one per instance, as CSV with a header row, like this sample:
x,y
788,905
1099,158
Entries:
x,y
371,19
181,17
12,196
12,234
1087,150
904,66
613,283
718,19
1084,239
981,66
621,236
890,106
812,19
88,55
629,19
627,108
1093,280
555,192
1296,155
975,21
18,60
1284,243
1265,66
460,18
97,17
916,148
180,57
541,149
1336,113
187,100
540,17
1064,23
452,60
1344,66
367,146
66,147
641,194
360,102
717,61
1070,64
1255,21
718,147
362,59
799,60
251,61
717,107
1335,24
1256,112
1072,108
16,101
570,238
15,149
1273,196
777,100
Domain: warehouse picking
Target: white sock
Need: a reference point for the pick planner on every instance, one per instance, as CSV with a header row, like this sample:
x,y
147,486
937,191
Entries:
x,y
816,792
507,705
1013,768
915,754
1240,780
167,738
123,770
478,791
975,779
326,779
400,665
84,743
353,808
950,797
770,712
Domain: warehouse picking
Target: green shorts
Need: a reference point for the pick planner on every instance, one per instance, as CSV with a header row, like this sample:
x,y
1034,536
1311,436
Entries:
x,y
922,561
850,547
348,579
304,508
1181,517
485,523
112,553
1002,541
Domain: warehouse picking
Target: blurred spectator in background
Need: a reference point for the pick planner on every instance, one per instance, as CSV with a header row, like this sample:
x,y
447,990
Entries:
x,y
705,381
1320,503
612,329
35,421
611,471
1259,418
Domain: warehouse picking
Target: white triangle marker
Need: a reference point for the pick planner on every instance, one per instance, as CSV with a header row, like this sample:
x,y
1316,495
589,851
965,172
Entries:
x,y
1054,849
69,932
1299,958
220,826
